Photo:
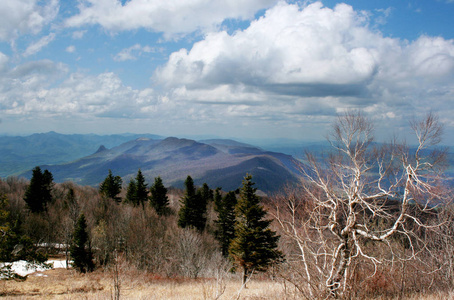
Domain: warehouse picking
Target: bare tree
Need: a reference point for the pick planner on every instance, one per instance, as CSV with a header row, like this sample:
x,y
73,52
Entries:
x,y
362,194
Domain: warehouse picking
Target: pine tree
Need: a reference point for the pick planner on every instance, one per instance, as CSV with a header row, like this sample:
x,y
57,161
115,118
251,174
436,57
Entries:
x,y
111,187
131,192
38,192
225,223
193,207
141,189
254,247
206,193
158,199
80,248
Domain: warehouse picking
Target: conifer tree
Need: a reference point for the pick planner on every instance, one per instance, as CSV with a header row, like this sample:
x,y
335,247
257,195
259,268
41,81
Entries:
x,y
80,248
254,247
141,189
206,193
111,187
225,223
158,199
38,192
131,192
193,207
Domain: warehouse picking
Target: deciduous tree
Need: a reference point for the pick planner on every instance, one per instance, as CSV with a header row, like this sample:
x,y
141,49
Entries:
x,y
360,195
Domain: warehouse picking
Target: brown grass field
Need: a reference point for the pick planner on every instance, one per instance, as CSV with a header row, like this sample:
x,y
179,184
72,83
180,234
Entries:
x,y
68,284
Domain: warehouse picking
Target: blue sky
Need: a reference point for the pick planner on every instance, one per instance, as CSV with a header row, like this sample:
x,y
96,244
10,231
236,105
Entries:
x,y
226,68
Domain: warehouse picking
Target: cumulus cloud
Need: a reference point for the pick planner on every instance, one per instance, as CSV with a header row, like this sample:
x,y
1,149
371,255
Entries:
x,y
169,17
29,90
294,67
25,16
311,51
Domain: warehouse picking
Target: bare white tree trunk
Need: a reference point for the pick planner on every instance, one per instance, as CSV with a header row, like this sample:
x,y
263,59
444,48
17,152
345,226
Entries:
x,y
357,186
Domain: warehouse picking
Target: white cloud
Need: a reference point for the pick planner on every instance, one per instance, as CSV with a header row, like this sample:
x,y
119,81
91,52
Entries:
x,y
311,52
293,68
71,49
3,61
77,35
170,17
133,52
297,62
25,16
41,43
287,46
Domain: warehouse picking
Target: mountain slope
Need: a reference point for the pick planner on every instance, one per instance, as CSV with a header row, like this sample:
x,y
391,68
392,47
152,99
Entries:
x,y
21,153
218,163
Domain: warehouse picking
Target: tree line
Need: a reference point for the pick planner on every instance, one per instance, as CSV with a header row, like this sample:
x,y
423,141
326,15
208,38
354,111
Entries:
x,y
240,228
367,220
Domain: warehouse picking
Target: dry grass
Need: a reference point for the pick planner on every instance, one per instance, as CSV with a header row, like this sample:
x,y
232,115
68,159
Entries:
x,y
68,284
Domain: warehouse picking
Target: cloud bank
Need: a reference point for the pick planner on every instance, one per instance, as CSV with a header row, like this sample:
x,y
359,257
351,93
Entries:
x,y
293,68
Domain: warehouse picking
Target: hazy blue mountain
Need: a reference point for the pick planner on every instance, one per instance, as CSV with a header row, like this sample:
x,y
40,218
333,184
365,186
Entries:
x,y
21,153
222,163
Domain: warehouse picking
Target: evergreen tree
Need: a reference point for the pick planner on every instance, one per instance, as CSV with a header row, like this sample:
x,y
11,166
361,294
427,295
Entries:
x,y
15,246
158,199
38,192
141,189
254,245
225,223
111,187
131,192
206,193
80,248
193,208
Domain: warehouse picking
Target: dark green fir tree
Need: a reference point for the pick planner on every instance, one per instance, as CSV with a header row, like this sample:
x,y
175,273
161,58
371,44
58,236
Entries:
x,y
254,247
225,223
192,213
141,189
80,249
131,192
158,198
111,187
38,192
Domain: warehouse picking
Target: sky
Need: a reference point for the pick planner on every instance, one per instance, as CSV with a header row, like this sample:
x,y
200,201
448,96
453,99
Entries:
x,y
226,68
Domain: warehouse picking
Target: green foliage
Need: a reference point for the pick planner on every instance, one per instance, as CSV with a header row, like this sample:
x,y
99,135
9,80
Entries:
x,y
225,223
206,193
38,192
254,247
13,246
158,199
131,192
111,187
141,189
80,247
193,207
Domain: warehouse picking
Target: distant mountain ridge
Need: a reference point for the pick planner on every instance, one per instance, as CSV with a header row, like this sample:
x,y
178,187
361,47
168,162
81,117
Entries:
x,y
219,163
21,153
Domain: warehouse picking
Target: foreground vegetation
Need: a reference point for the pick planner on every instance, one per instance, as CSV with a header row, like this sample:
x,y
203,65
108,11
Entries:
x,y
368,222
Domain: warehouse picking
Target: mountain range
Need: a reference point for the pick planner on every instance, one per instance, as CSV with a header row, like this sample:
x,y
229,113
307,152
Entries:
x,y
217,162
